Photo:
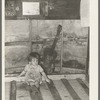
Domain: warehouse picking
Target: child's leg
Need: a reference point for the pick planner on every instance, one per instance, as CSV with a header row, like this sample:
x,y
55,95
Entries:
x,y
34,86
35,94
37,84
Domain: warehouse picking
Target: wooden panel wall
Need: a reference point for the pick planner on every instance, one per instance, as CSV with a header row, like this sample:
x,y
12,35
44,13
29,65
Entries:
x,y
75,40
16,30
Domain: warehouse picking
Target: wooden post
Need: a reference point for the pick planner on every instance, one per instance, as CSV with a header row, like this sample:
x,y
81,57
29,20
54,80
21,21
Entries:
x,y
87,59
13,90
30,34
61,52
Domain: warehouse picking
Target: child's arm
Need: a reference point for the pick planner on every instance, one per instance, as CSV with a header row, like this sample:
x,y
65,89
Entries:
x,y
22,73
45,76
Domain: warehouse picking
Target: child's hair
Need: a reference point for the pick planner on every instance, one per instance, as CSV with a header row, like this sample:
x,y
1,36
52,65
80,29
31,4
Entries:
x,y
33,55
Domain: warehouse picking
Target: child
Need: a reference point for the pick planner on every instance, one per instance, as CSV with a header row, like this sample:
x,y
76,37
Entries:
x,y
33,71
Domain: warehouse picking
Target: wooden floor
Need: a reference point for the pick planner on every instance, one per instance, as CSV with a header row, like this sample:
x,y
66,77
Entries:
x,y
71,89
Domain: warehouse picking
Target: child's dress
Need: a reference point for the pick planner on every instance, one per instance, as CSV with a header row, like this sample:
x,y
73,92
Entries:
x,y
33,74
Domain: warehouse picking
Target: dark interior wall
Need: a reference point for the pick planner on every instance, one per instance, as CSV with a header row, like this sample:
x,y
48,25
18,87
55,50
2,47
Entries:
x,y
74,36
49,9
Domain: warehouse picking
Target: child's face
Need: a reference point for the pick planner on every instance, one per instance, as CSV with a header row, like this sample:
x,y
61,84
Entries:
x,y
34,61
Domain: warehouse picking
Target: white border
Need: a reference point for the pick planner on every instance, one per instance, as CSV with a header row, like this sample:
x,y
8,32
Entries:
x,y
93,50
3,49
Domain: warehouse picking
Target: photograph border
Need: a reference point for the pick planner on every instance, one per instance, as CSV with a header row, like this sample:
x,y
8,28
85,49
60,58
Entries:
x,y
94,38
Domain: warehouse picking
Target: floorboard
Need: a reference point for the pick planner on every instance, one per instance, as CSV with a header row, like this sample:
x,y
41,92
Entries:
x,y
45,92
79,90
7,91
70,89
54,91
86,89
22,92
62,89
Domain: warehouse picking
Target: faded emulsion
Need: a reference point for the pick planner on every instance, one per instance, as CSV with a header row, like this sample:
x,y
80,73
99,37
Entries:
x,y
58,32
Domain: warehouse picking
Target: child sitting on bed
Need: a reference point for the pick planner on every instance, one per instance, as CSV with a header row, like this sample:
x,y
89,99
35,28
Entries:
x,y
33,71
